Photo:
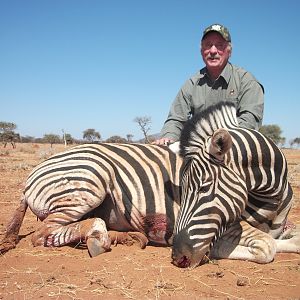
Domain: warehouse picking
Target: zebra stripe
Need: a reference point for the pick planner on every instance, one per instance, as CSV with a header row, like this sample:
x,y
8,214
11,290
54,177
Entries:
x,y
233,182
229,174
81,193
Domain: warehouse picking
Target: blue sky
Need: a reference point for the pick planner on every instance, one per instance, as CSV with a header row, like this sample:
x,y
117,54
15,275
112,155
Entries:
x,y
73,65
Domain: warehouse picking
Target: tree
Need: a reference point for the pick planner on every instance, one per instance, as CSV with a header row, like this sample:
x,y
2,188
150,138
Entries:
x,y
129,137
281,142
10,137
69,139
91,135
145,125
7,133
7,126
51,139
116,139
273,132
295,141
64,137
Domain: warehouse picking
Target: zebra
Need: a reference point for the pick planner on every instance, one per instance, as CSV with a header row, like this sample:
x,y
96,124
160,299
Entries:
x,y
104,194
235,196
101,194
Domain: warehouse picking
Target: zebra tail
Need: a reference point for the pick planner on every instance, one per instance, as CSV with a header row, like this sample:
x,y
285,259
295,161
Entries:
x,y
11,236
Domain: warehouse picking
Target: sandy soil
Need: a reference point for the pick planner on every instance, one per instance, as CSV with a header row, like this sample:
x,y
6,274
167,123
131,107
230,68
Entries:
x,y
128,272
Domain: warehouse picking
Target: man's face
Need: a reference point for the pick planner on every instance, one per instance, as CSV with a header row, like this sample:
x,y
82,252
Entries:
x,y
215,51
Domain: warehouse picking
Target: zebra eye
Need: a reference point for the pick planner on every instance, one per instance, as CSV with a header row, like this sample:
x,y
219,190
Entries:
x,y
205,187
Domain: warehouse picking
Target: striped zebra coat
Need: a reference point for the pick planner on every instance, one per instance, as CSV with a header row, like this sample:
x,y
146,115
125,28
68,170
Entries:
x,y
234,189
129,189
235,194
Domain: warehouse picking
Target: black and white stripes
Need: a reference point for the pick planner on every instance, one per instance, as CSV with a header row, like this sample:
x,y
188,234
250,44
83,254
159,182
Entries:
x,y
140,179
230,174
227,195
83,192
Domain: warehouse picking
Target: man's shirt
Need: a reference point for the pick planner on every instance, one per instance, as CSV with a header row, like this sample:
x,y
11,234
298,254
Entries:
x,y
199,92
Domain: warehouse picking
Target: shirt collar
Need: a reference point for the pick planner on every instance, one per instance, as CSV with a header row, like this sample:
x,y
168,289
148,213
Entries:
x,y
226,74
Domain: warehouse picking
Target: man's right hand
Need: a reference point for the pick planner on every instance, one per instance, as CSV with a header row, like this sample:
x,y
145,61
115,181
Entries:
x,y
163,141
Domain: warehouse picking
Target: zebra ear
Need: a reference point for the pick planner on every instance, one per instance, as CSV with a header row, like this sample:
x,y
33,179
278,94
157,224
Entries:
x,y
220,143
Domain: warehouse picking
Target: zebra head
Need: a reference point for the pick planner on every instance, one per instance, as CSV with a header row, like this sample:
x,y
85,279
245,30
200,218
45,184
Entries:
x,y
212,195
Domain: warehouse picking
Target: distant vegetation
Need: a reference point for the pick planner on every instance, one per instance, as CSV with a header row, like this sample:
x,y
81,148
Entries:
x,y
274,132
8,135
145,125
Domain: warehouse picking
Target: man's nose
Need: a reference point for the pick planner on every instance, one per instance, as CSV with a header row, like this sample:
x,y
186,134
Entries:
x,y
213,49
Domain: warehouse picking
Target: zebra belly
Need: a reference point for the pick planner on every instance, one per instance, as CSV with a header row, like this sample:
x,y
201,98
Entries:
x,y
157,227
113,216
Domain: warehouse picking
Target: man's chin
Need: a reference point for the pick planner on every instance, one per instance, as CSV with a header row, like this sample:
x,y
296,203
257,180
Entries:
x,y
213,63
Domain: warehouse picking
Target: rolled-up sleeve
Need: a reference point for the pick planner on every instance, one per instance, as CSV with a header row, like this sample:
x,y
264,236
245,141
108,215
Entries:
x,y
251,104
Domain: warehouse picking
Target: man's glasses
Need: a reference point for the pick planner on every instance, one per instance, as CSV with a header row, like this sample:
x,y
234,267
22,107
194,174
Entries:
x,y
219,46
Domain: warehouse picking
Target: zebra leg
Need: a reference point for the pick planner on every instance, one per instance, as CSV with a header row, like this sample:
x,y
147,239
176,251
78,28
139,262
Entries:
x,y
244,242
97,238
277,227
11,237
55,233
289,241
287,235
128,238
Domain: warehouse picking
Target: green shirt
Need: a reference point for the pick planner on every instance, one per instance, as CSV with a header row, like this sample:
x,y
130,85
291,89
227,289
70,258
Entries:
x,y
199,92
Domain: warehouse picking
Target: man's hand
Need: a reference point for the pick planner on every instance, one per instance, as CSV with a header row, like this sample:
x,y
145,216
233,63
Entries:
x,y
163,141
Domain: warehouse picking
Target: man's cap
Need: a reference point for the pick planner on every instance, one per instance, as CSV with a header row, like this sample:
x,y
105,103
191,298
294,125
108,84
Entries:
x,y
220,29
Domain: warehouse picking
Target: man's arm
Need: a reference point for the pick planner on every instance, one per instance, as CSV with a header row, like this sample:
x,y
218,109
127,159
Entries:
x,y
251,105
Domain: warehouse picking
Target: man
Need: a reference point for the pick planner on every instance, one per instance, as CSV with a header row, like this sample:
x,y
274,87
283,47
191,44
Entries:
x,y
218,81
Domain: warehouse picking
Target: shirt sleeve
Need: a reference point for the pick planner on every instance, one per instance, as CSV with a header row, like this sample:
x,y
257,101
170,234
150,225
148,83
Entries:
x,y
179,113
251,104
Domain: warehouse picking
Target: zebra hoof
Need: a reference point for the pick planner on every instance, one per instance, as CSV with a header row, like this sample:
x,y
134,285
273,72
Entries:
x,y
95,246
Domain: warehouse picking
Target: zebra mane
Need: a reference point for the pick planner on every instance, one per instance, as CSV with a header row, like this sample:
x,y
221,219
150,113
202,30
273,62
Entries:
x,y
204,124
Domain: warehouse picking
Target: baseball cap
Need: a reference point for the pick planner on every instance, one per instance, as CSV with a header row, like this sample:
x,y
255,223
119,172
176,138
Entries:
x,y
220,29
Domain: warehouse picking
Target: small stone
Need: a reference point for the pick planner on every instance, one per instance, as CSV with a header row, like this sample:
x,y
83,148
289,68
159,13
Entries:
x,y
242,281
220,274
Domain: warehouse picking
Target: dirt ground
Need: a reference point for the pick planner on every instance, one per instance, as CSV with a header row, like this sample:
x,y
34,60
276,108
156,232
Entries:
x,y
128,272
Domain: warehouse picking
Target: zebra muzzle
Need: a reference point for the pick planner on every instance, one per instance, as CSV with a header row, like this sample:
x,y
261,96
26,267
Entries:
x,y
182,262
185,254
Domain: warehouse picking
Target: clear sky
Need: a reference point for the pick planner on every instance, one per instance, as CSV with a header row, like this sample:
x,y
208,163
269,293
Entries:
x,y
73,65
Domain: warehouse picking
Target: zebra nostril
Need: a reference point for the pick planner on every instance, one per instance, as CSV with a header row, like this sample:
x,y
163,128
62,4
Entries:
x,y
182,262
